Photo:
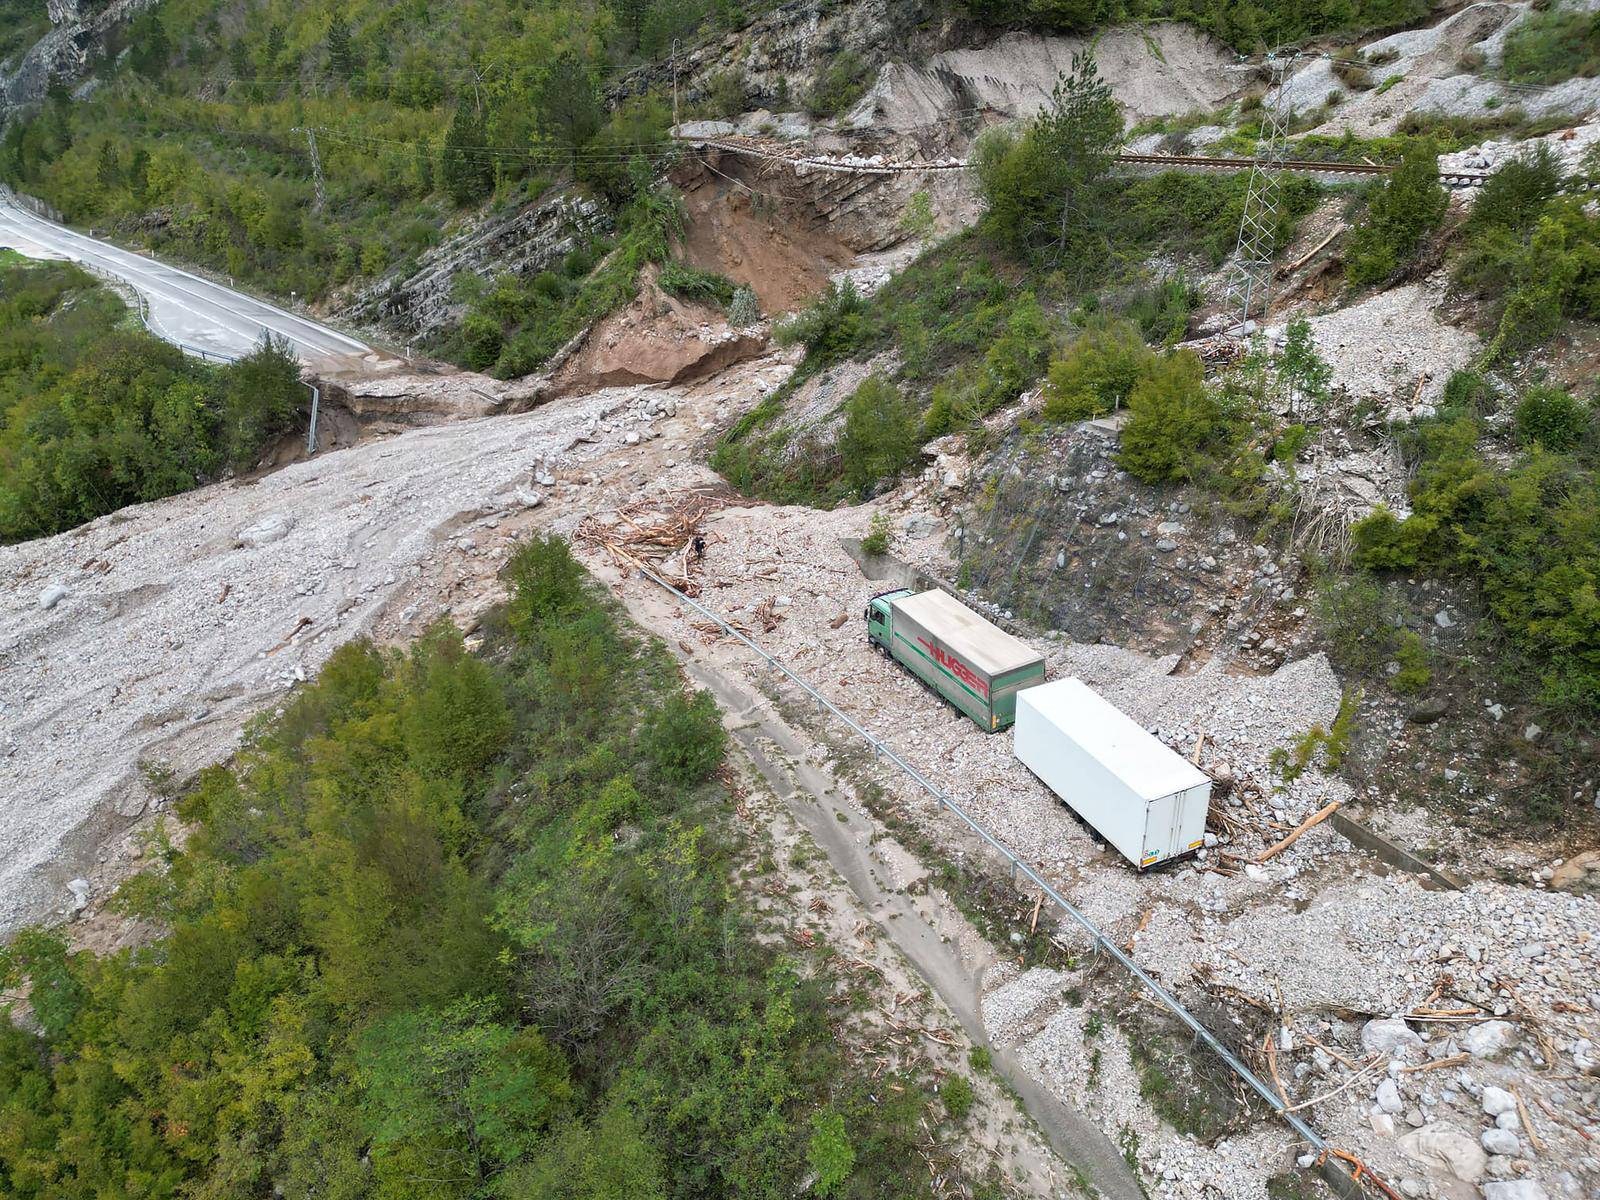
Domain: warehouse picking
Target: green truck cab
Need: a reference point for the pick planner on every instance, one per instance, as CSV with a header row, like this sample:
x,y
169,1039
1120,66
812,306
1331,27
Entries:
x,y
970,662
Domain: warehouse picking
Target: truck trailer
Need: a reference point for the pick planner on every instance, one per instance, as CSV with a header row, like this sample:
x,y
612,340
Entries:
x,y
975,665
1147,801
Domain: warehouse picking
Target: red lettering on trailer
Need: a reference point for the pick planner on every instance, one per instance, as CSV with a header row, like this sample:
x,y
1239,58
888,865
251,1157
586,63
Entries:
x,y
955,666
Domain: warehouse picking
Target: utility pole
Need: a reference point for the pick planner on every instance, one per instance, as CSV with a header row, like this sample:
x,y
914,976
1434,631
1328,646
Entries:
x,y
674,86
1250,279
316,165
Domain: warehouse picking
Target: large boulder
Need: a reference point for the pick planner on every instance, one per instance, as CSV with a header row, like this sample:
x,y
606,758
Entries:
x,y
1446,1152
1580,873
273,527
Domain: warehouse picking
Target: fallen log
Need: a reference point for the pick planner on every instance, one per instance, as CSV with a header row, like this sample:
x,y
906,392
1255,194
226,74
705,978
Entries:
x,y
1315,819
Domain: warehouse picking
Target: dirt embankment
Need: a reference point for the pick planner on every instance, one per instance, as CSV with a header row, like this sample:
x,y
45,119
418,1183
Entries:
x,y
657,338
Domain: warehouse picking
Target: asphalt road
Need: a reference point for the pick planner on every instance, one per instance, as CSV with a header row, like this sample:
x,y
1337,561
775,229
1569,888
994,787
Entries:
x,y
183,308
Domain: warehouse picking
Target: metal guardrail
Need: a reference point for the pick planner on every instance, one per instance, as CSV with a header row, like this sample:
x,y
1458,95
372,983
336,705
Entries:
x,y
882,750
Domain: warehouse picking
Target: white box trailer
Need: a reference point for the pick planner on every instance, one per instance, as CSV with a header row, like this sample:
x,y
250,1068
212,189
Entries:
x,y
1147,801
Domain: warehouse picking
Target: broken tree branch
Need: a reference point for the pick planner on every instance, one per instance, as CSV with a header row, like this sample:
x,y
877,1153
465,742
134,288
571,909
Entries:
x,y
1316,818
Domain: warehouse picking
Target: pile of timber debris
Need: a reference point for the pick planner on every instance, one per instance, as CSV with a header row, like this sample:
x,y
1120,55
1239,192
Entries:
x,y
661,533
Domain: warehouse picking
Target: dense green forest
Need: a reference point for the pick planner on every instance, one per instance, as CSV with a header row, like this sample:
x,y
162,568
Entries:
x,y
96,413
457,925
191,144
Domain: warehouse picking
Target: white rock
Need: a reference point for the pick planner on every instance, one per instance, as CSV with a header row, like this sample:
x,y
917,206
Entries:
x,y
1488,1039
1388,1097
80,890
273,527
1387,1035
1515,1189
1583,1055
528,498
1445,1149
1498,1100
1499,1141
53,595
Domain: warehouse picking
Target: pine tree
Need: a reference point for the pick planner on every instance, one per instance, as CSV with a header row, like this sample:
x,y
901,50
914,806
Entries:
x,y
149,46
139,174
1081,130
341,53
1049,191
109,169
569,110
466,166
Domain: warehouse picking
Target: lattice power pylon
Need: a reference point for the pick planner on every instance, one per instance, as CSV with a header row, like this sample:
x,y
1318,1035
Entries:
x,y
1250,283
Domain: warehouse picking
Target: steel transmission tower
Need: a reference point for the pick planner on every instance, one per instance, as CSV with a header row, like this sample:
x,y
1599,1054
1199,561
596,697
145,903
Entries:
x,y
1250,284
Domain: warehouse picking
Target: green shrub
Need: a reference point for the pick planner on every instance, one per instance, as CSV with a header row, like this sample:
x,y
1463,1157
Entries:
x,y
830,1153
679,279
546,584
1552,418
1405,209
917,217
877,540
880,436
1332,743
829,326
1533,250
725,95
1528,535
744,310
839,85
1162,310
1098,372
1515,196
1364,635
1172,414
956,1092
684,739
1412,656
1469,392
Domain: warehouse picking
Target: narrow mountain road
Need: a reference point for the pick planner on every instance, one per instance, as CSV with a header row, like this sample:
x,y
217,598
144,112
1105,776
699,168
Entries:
x,y
182,308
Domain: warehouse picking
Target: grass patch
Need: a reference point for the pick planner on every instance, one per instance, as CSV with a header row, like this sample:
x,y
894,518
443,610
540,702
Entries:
x,y
1554,45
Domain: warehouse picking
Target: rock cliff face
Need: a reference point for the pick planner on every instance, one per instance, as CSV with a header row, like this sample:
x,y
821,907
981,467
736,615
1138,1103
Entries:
x,y
78,35
531,239
777,56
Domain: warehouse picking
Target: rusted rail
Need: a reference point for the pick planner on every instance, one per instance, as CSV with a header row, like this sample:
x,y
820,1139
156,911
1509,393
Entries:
x,y
877,165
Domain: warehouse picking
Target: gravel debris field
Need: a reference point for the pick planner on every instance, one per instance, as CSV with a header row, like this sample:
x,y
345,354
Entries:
x,y
1323,928
153,633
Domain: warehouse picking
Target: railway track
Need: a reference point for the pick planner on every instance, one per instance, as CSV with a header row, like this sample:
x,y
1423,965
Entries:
x,y
854,164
